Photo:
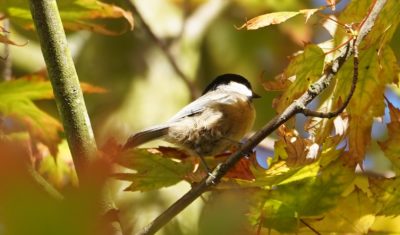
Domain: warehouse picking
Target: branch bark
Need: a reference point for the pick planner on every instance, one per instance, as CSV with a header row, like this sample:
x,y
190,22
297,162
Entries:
x,y
68,96
293,109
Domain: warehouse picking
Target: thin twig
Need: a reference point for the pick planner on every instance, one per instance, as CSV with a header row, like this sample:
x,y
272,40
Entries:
x,y
312,113
294,108
7,69
309,226
164,47
43,184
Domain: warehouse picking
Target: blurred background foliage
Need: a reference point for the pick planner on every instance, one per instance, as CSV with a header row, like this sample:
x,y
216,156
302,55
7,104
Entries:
x,y
144,89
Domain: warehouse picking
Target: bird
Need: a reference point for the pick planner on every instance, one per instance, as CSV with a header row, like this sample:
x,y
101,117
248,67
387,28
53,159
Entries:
x,y
211,124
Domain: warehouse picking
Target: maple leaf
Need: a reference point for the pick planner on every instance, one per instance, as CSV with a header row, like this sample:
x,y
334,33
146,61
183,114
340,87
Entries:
x,y
276,18
282,206
17,98
302,71
76,15
391,146
152,169
365,104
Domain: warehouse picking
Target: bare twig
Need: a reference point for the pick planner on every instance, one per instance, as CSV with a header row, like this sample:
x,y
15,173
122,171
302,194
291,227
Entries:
x,y
164,47
309,226
7,70
312,113
294,108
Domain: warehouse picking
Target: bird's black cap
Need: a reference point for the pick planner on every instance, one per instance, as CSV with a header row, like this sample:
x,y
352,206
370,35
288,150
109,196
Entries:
x,y
226,79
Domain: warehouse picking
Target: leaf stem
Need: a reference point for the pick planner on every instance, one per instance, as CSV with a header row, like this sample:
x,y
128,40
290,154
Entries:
x,y
7,69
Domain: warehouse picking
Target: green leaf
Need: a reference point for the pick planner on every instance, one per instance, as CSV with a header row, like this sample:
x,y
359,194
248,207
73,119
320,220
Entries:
x,y
375,71
90,15
153,170
384,27
391,146
16,101
279,174
386,194
302,71
276,18
311,197
354,213
59,170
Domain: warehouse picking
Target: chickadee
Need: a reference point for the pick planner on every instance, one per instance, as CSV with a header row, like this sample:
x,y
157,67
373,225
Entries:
x,y
212,123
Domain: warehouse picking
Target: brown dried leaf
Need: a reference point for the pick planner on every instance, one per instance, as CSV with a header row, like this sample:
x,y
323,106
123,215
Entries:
x,y
89,88
279,83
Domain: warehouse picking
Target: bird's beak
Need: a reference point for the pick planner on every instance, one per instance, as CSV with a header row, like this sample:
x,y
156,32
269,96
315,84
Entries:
x,y
255,96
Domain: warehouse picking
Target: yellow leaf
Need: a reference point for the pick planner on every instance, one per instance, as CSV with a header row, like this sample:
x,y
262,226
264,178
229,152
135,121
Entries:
x,y
391,146
269,19
308,12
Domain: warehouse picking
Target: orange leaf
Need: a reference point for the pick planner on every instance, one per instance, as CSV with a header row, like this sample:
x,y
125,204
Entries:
x,y
89,88
242,169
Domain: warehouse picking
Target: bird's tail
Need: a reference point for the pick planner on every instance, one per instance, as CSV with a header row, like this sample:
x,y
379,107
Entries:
x,y
146,136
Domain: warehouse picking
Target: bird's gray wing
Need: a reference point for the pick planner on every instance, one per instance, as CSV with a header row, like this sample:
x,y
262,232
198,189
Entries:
x,y
146,135
197,106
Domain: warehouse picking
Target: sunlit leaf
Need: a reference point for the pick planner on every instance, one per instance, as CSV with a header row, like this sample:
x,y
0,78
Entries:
x,y
386,194
375,71
59,170
308,12
391,146
152,169
90,15
280,173
310,197
269,19
303,69
276,18
17,98
384,27
354,213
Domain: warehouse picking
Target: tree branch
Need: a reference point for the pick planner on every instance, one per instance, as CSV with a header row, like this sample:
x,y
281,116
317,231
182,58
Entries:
x,y
294,108
68,96
164,47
